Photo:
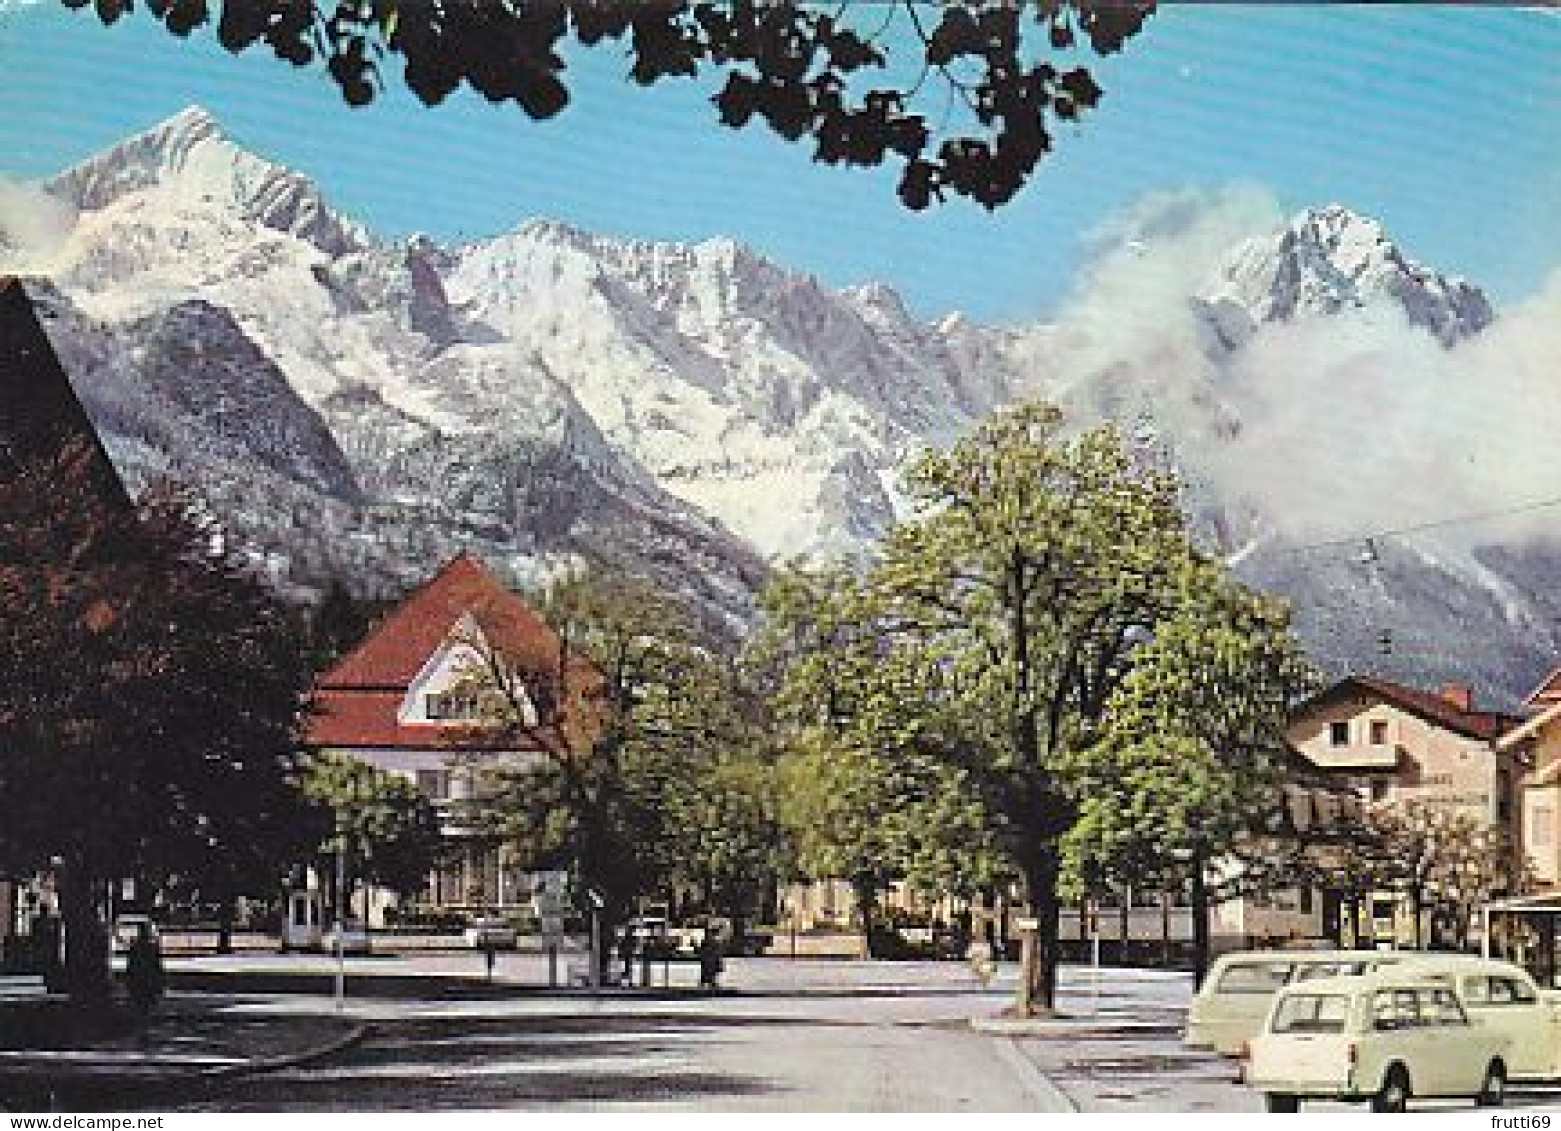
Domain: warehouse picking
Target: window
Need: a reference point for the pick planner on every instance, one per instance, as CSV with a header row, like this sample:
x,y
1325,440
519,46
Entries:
x,y
1395,1009
434,784
1306,901
1443,1008
1312,1013
1379,732
1380,788
1509,991
459,705
1542,829
1254,977
1309,970
1339,734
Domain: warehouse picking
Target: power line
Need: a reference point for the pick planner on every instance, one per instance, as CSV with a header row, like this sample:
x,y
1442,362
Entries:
x,y
1369,539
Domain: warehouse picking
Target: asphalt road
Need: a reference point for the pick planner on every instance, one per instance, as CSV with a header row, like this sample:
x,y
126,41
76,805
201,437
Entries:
x,y
786,1036
806,1035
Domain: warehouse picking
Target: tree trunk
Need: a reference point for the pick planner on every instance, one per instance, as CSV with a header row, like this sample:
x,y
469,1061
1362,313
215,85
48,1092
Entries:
x,y
88,977
866,892
1167,959
1036,994
225,914
1200,922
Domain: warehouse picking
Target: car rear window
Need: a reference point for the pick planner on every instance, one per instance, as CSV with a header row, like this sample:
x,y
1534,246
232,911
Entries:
x,y
1309,970
1311,1013
1254,977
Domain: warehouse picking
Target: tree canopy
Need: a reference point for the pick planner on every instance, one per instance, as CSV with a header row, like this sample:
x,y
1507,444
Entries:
x,y
386,829
648,766
1043,605
959,94
150,697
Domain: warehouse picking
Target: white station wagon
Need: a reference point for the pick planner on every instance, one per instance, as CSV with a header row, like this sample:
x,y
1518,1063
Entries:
x,y
1382,1037
1506,999
1235,995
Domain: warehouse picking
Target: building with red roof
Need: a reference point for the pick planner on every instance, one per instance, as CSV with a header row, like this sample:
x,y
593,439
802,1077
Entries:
x,y
411,700
1397,745
1535,744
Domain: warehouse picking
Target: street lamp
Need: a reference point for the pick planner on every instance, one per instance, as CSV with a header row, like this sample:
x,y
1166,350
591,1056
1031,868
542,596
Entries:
x,y
341,896
597,902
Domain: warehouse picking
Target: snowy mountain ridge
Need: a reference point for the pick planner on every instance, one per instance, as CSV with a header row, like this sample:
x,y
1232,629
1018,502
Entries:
x,y
690,410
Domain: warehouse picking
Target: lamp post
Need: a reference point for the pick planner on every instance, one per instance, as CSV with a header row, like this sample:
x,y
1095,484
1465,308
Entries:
x,y
597,902
341,897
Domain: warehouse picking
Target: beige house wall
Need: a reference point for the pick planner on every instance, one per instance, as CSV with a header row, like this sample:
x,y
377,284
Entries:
x,y
1540,828
1413,760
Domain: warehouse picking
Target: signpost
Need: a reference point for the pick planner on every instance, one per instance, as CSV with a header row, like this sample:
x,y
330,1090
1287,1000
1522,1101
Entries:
x,y
597,902
549,904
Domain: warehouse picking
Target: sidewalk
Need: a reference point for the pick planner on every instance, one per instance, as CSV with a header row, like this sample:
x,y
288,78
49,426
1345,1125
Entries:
x,y
191,1038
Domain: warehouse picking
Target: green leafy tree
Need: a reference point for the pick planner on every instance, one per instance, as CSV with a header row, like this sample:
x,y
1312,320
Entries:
x,y
1445,863
998,628
860,806
1193,766
382,826
726,839
150,695
647,765
960,95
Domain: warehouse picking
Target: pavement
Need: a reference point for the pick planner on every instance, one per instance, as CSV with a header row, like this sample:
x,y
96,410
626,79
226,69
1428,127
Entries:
x,y
190,1039
430,1031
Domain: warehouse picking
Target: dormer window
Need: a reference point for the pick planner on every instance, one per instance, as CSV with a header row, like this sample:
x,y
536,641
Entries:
x,y
458,706
1379,732
1339,734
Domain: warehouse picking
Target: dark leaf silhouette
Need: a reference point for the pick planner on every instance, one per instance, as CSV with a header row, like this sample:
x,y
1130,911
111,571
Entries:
x,y
963,109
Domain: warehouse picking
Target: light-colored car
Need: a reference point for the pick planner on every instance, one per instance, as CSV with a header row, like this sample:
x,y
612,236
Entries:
x,y
354,938
127,928
1229,1007
492,934
1382,1037
1505,998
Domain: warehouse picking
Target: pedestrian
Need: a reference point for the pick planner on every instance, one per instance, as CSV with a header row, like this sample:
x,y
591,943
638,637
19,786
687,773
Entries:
x,y
49,932
711,948
144,970
626,955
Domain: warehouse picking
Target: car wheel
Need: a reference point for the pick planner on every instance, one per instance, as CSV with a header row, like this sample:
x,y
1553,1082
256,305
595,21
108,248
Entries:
x,y
1282,1101
1493,1092
1394,1093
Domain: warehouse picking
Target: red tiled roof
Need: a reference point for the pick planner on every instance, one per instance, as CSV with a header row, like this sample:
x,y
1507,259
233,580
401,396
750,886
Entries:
x,y
398,647
1547,692
1486,725
358,700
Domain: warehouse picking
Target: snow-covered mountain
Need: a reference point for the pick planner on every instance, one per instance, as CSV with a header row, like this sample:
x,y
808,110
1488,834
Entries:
x,y
365,406
1330,259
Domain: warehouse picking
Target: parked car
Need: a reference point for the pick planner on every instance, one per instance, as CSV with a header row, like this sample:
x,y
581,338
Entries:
x,y
1381,1037
1229,1007
492,934
127,928
354,938
1507,1000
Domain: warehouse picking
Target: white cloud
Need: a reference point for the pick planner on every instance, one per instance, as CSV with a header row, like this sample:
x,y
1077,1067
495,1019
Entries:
x,y
33,226
1326,427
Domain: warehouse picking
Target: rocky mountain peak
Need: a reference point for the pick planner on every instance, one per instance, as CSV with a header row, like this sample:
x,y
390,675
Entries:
x,y
190,158
1328,259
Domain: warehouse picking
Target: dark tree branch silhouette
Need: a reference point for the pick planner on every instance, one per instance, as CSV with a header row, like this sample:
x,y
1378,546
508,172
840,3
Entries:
x,y
805,70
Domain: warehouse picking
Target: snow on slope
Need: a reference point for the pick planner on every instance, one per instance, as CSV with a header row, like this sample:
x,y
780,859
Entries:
x,y
693,409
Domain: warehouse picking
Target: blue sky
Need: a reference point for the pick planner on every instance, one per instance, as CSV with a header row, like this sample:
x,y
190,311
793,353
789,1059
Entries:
x,y
1442,122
